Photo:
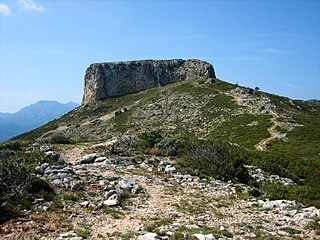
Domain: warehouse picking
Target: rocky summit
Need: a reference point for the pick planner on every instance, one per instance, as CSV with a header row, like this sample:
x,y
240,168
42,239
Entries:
x,y
113,79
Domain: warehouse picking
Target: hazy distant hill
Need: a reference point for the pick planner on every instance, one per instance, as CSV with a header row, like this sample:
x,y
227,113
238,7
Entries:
x,y
31,117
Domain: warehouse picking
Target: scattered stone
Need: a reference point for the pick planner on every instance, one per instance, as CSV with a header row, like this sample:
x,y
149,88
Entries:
x,y
45,148
149,236
89,158
111,202
170,169
261,176
113,194
100,159
199,236
282,204
126,185
69,236
84,204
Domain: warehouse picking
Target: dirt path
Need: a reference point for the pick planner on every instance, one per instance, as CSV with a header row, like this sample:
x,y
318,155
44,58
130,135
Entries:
x,y
254,105
274,134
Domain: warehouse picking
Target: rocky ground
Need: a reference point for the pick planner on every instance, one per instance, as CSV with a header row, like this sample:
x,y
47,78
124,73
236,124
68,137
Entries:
x,y
117,196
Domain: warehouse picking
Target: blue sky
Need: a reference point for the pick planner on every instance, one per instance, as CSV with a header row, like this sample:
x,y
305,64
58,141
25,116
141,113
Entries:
x,y
46,45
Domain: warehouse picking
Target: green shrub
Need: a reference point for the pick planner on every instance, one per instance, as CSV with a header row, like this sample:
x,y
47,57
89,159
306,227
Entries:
x,y
14,178
42,188
14,146
212,159
148,140
60,140
169,147
37,185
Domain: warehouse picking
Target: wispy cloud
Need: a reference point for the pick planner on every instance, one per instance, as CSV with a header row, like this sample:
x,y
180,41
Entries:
x,y
5,10
241,58
291,85
31,5
275,51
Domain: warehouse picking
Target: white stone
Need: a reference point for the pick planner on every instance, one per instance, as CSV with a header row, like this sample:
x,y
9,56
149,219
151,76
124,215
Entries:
x,y
199,236
148,236
84,204
111,202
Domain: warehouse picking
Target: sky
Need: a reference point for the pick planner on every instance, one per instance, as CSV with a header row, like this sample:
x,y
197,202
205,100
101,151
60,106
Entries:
x,y
46,45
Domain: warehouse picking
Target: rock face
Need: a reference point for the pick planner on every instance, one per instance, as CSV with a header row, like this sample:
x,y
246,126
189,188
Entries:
x,y
113,79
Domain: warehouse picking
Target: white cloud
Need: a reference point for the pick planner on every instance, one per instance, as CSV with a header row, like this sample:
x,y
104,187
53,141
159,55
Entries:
x,y
291,85
242,58
275,51
5,10
31,5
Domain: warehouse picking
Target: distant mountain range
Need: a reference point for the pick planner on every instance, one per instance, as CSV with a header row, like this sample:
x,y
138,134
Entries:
x,y
30,117
313,100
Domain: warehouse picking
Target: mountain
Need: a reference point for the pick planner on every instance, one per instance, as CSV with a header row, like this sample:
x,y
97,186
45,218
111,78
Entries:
x,y
313,100
198,158
31,117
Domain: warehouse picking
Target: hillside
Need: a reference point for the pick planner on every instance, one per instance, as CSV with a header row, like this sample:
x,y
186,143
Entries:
x,y
190,160
31,117
194,109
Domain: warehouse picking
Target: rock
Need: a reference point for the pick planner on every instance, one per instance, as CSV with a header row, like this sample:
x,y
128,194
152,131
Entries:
x,y
146,166
107,146
306,215
260,176
112,79
170,169
282,204
204,237
111,202
113,195
45,148
44,166
126,185
149,236
49,153
210,237
84,204
100,159
137,189
59,159
57,182
199,236
67,235
89,158
192,226
76,187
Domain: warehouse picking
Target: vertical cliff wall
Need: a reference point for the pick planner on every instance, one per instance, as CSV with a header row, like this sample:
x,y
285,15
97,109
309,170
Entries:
x,y
112,79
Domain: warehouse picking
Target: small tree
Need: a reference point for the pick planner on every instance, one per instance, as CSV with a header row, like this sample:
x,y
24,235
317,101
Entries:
x,y
257,88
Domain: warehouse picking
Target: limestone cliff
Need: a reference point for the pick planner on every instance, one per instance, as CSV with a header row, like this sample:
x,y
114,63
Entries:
x,y
112,79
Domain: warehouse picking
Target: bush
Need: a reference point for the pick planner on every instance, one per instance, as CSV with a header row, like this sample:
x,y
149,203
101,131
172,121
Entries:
x,y
14,177
61,140
14,146
148,140
212,159
169,147
38,185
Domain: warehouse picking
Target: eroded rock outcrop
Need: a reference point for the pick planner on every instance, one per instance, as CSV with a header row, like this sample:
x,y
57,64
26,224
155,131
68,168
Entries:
x,y
112,79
